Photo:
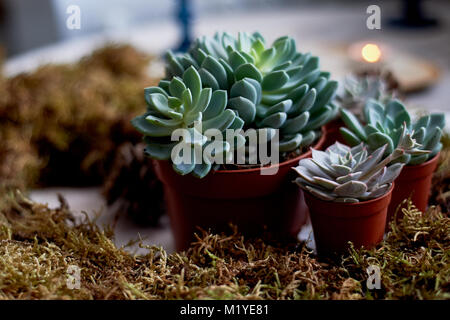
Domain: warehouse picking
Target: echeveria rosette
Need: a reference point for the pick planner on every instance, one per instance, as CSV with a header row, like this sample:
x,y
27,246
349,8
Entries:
x,y
270,87
353,174
179,104
383,124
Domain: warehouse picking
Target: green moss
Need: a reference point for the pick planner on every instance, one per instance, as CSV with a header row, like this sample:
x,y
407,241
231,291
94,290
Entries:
x,y
38,243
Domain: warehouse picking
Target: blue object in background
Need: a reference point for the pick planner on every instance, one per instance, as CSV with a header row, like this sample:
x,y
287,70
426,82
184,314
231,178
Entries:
x,y
184,18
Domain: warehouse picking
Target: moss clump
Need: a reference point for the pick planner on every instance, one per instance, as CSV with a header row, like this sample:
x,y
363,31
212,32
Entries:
x,y
37,244
69,119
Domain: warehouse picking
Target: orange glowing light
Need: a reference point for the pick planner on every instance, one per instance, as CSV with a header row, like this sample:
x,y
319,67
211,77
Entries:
x,y
371,53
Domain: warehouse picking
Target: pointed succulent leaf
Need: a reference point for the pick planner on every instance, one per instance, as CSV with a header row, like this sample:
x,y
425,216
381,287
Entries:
x,y
378,139
220,122
392,172
379,191
274,80
290,143
349,177
308,138
351,189
193,82
304,104
243,88
296,124
353,124
422,122
304,173
397,112
248,70
419,135
349,137
217,70
159,151
325,183
264,111
145,127
275,120
245,108
314,168
319,119
326,95
176,87
216,105
320,193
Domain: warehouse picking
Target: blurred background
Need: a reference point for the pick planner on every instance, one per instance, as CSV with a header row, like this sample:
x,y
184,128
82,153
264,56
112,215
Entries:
x,y
413,43
410,29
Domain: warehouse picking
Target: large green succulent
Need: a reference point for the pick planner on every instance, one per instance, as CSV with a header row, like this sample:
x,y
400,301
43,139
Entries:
x,y
345,174
383,125
182,103
269,87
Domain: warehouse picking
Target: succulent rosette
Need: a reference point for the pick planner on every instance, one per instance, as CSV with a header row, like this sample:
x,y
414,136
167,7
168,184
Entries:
x,y
268,86
383,124
353,174
183,103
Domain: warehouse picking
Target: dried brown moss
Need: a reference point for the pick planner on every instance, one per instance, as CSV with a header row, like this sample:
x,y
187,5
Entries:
x,y
19,161
38,244
72,117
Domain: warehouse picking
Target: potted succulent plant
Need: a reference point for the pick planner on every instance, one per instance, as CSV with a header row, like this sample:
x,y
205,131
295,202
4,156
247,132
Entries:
x,y
226,83
383,125
348,192
355,92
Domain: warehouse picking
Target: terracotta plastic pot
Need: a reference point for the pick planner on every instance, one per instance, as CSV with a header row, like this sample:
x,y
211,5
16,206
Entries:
x,y
335,224
414,182
245,198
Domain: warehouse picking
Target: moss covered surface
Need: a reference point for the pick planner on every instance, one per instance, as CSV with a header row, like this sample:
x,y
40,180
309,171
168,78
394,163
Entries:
x,y
38,244
61,124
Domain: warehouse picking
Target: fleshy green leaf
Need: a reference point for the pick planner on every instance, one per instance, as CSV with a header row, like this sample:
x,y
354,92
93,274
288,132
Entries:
x,y
245,108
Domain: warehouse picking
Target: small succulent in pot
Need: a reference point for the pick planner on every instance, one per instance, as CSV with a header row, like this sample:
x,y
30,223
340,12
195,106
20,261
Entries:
x,y
383,125
353,174
275,87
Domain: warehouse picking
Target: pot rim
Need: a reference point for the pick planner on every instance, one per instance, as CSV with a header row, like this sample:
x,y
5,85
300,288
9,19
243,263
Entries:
x,y
419,171
319,144
356,210
349,204
424,164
